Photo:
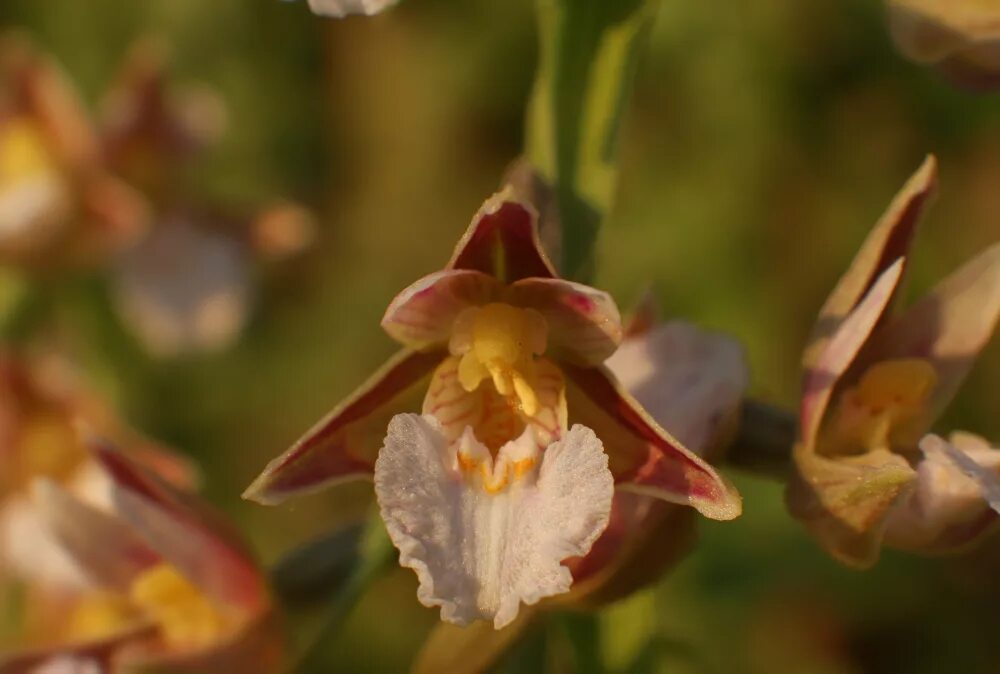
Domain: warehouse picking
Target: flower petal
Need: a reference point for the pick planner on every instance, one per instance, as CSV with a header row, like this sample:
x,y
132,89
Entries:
x,y
846,503
493,419
691,381
105,547
338,9
889,241
185,533
841,349
584,323
950,326
423,314
643,456
963,36
502,241
479,555
343,445
956,499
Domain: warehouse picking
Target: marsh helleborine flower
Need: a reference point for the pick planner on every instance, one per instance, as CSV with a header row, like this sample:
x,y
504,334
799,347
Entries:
x,y
169,586
58,203
868,469
504,474
341,8
42,408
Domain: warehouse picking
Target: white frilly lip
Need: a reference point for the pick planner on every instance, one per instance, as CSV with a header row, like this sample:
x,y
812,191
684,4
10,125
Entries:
x,y
958,482
479,554
338,9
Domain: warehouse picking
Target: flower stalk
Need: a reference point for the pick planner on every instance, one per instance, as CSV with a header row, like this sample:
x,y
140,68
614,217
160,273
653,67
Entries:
x,y
588,57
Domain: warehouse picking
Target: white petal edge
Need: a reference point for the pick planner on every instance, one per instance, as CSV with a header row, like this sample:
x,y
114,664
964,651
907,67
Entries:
x,y
477,555
976,460
338,9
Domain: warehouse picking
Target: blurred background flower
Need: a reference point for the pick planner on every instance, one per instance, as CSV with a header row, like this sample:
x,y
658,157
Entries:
x,y
761,141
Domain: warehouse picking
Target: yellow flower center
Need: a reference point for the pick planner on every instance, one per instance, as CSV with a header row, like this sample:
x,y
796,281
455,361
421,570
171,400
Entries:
x,y
23,152
185,616
494,475
160,596
887,403
500,342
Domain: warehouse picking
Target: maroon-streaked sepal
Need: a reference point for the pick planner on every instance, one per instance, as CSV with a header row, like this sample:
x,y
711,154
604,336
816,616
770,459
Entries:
x,y
840,351
104,547
643,457
949,326
422,315
584,323
502,241
344,444
185,533
889,241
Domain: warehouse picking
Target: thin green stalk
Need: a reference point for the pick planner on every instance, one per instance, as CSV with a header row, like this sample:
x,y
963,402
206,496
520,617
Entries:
x,y
377,558
588,56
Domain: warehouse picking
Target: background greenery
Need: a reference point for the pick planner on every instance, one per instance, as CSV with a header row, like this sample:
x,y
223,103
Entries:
x,y
763,140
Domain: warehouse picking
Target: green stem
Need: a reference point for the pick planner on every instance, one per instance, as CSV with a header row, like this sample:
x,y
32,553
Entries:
x,y
378,557
588,55
764,443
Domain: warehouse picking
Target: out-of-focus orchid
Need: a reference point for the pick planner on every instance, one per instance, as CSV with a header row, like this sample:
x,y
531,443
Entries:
x,y
169,586
868,470
961,37
491,488
57,202
341,8
186,286
42,408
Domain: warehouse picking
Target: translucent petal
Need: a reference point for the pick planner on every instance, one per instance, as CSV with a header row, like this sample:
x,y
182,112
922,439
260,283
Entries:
x,y
479,555
341,8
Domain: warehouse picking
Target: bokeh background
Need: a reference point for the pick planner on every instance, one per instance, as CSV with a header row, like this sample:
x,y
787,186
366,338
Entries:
x,y
762,142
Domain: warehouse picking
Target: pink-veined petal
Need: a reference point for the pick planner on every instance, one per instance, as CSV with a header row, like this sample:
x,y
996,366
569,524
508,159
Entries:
x,y
888,242
950,326
840,350
344,444
489,414
422,315
479,555
643,456
185,533
502,241
584,323
691,381
105,547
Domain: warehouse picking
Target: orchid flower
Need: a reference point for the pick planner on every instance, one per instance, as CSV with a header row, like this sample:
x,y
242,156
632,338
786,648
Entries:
x,y
42,408
490,488
57,202
961,37
170,587
185,287
693,382
868,468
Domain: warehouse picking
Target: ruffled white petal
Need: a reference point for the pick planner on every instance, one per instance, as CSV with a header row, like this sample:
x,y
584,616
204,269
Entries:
x,y
958,481
341,8
480,552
